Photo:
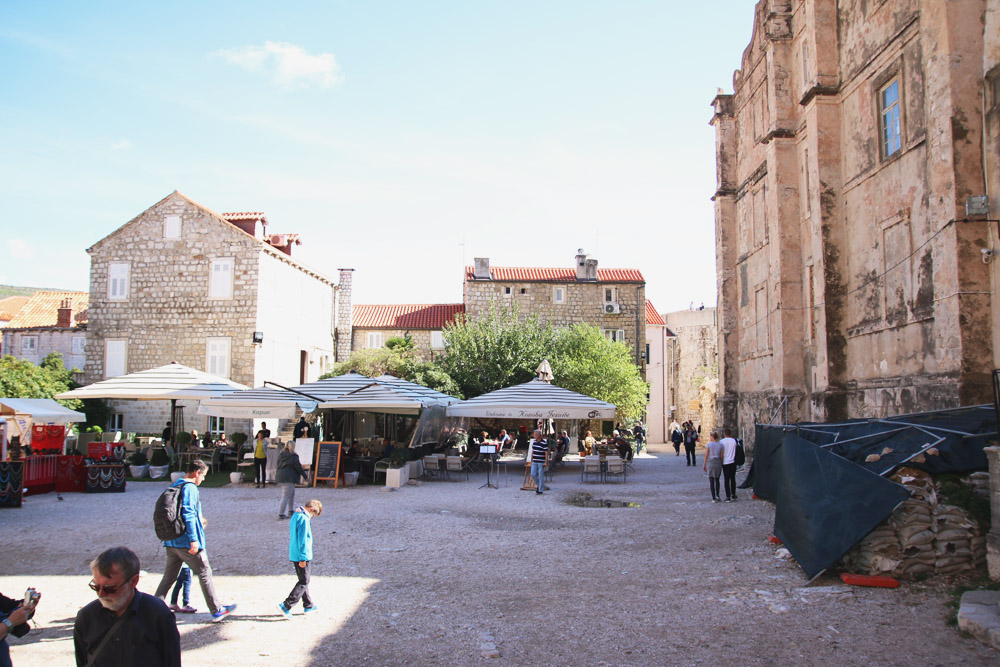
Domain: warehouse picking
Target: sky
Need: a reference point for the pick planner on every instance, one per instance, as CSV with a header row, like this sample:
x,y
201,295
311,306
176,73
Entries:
x,y
398,138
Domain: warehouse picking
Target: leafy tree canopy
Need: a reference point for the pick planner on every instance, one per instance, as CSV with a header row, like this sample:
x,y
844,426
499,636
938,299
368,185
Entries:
x,y
22,379
398,358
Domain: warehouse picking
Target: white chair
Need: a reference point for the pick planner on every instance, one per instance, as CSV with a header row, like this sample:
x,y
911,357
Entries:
x,y
431,466
454,464
591,465
615,467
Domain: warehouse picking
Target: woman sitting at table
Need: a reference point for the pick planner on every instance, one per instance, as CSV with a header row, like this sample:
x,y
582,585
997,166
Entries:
x,y
222,441
589,444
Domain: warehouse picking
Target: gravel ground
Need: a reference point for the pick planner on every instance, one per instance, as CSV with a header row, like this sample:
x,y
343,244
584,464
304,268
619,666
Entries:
x,y
445,573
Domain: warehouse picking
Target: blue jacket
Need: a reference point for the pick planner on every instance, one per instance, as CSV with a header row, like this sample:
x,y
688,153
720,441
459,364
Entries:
x,y
191,511
300,536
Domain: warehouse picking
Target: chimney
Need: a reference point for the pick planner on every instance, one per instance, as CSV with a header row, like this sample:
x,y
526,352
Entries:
x,y
343,315
582,264
481,269
591,269
64,315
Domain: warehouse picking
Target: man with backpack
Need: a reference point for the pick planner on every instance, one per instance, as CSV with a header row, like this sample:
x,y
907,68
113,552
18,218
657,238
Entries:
x,y
729,465
181,526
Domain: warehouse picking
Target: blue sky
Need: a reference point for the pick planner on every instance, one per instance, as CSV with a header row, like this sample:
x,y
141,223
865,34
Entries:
x,y
401,139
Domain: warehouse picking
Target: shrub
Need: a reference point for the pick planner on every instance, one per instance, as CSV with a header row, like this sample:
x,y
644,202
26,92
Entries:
x,y
238,438
138,459
160,458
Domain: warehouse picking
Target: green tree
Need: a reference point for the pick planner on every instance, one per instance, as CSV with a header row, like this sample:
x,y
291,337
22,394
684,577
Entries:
x,y
495,351
585,361
22,379
398,358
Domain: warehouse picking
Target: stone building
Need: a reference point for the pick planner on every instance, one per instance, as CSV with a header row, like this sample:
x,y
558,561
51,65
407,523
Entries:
x,y
691,360
216,292
48,321
852,280
375,324
614,300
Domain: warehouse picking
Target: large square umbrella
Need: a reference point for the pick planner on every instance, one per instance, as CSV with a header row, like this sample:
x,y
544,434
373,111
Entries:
x,y
533,400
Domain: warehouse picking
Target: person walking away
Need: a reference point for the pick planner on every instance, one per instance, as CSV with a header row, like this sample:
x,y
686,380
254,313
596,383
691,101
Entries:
x,y
640,436
300,553
539,457
183,583
289,472
301,429
190,548
690,442
713,464
729,465
677,438
260,456
124,626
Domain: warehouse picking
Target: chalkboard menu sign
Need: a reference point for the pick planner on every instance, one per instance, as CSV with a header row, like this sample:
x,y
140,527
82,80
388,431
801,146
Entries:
x,y
326,464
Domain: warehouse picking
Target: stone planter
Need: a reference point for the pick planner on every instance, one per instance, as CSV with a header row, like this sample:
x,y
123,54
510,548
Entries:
x,y
138,471
158,472
397,477
174,476
235,477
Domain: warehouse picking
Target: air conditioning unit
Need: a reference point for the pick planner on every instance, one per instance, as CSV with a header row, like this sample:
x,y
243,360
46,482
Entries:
x,y
612,309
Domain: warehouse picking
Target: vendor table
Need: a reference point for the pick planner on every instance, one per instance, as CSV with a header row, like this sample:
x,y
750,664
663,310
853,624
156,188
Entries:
x,y
105,478
11,486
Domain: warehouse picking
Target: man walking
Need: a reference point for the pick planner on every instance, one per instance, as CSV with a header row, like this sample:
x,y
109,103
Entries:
x,y
729,465
189,548
539,457
123,626
640,436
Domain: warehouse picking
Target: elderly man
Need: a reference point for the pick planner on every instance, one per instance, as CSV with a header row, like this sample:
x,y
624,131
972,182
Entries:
x,y
124,626
538,454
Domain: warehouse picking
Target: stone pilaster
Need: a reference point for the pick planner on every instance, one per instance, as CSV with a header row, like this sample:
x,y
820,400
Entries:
x,y
344,314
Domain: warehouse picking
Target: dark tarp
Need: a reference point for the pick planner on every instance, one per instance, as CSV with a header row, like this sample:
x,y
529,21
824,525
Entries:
x,y
828,496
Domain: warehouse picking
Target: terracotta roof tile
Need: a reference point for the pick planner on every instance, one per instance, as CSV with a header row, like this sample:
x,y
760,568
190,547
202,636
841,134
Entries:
x,y
555,275
244,215
10,306
653,317
43,306
406,316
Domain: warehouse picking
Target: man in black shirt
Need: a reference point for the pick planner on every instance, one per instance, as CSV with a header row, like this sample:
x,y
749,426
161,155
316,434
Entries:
x,y
301,429
124,626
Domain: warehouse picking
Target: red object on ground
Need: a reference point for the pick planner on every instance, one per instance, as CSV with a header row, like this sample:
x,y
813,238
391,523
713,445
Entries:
x,y
869,580
774,540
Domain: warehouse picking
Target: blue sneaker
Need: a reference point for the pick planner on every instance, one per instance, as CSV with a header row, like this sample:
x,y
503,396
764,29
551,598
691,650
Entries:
x,y
285,610
312,608
222,612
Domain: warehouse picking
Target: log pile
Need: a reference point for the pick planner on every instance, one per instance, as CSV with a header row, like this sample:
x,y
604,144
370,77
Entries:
x,y
922,536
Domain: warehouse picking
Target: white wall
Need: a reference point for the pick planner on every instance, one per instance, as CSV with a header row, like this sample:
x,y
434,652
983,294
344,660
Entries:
x,y
295,313
656,374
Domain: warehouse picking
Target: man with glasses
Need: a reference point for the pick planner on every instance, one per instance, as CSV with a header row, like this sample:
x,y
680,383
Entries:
x,y
124,626
190,547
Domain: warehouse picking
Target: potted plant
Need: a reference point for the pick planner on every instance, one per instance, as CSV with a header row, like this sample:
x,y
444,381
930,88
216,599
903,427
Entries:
x,y
182,440
398,473
138,465
159,464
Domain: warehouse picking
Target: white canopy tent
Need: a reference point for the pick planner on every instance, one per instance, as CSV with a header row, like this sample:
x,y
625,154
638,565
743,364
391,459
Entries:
x,y
257,403
390,395
41,410
533,400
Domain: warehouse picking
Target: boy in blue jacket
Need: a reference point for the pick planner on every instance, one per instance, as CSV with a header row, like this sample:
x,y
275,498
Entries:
x,y
300,552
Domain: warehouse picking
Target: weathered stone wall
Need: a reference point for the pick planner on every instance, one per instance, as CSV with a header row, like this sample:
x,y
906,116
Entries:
x,y
844,283
49,339
421,340
695,359
345,313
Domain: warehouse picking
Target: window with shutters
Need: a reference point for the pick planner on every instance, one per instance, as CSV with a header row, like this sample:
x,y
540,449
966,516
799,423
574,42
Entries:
x,y
559,294
115,353
374,340
118,274
221,278
217,356
78,345
615,335
29,344
172,227
437,340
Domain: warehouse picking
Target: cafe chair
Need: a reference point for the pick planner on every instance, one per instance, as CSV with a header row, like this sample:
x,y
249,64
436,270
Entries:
x,y
616,468
215,461
431,466
380,468
247,465
454,464
591,465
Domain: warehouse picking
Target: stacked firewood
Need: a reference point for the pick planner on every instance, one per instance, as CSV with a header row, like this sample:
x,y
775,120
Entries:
x,y
922,536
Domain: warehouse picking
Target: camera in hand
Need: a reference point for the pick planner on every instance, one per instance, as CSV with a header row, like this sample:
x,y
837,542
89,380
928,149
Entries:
x,y
31,597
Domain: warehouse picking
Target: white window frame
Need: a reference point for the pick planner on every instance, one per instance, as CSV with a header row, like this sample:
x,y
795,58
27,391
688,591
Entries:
x,y
890,122
216,425
437,340
29,344
218,355
119,274
78,345
559,295
373,340
615,335
508,290
610,295
220,278
115,357
116,421
172,227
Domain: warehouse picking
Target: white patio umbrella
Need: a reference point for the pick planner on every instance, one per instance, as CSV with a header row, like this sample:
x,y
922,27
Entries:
x,y
389,396
257,403
533,400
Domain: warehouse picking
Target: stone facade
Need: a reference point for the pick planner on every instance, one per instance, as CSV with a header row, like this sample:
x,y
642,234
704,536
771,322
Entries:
x,y
583,292
850,284
692,359
154,300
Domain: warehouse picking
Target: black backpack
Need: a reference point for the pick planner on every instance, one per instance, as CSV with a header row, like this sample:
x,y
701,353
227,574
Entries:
x,y
167,518
741,456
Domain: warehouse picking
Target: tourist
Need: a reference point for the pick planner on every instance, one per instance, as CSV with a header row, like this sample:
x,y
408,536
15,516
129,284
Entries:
x,y
563,444
260,456
729,465
640,435
301,429
300,553
676,437
124,626
14,615
183,584
189,548
589,444
538,455
690,442
289,472
166,434
713,464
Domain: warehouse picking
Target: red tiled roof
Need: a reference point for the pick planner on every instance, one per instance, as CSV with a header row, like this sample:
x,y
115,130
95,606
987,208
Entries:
x,y
538,274
653,317
244,215
10,306
406,316
43,306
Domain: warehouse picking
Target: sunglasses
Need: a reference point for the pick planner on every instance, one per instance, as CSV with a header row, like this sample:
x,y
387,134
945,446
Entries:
x,y
107,590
